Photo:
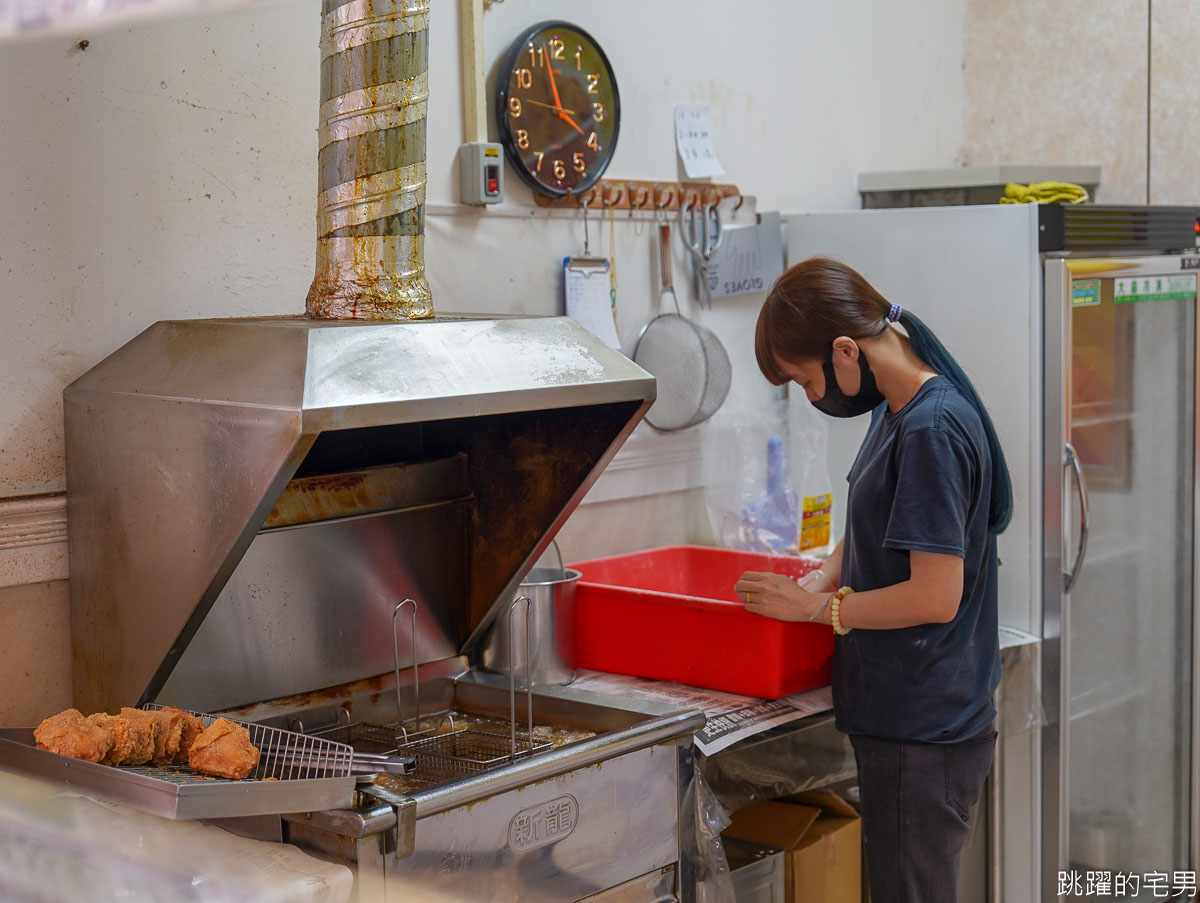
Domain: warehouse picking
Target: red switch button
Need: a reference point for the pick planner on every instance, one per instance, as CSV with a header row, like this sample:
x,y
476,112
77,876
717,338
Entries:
x,y
493,186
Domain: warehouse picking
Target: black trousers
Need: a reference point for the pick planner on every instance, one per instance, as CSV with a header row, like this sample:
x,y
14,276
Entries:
x,y
916,809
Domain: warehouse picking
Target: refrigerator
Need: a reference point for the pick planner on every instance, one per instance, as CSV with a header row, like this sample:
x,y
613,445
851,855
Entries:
x,y
1078,327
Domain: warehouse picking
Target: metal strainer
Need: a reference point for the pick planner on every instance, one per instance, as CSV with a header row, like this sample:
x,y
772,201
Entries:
x,y
689,361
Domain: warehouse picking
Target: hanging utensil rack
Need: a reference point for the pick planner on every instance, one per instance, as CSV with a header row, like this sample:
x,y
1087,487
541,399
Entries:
x,y
637,194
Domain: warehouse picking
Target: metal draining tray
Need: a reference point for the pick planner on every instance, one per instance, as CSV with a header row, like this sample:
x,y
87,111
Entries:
x,y
295,773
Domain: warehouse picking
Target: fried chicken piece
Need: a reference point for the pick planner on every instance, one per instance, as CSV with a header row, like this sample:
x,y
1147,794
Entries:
x,y
170,733
224,750
146,730
122,734
70,734
190,728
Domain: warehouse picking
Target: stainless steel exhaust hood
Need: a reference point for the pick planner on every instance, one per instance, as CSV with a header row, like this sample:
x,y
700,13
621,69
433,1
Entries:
x,y
435,458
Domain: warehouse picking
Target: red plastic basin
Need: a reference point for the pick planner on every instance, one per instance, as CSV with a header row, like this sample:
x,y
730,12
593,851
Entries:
x,y
672,614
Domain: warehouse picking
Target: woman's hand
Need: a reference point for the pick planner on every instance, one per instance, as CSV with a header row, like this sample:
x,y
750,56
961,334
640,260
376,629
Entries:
x,y
776,596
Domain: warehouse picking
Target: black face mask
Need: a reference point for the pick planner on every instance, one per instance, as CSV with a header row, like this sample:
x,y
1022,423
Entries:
x,y
837,403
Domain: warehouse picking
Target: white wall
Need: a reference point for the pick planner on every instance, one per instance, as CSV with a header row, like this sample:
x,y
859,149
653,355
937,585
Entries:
x,y
166,171
169,170
804,94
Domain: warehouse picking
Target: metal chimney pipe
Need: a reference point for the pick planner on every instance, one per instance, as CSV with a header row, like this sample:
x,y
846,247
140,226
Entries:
x,y
371,162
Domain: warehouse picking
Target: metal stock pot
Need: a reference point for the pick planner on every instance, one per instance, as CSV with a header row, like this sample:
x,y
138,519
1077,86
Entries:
x,y
537,638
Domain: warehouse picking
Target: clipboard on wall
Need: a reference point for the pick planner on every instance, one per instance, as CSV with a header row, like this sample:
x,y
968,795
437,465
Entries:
x,y
587,297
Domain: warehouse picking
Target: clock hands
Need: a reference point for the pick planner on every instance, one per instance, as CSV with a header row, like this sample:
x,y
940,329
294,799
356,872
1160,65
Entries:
x,y
571,122
558,107
553,87
548,106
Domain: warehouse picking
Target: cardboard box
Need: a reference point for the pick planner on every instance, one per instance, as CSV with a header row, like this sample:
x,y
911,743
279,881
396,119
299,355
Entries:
x,y
821,836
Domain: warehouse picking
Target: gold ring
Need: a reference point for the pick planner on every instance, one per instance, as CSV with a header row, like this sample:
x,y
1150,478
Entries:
x,y
746,596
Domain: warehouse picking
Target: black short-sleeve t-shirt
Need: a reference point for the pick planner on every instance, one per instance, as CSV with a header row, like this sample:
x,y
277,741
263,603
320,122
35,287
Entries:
x,y
921,481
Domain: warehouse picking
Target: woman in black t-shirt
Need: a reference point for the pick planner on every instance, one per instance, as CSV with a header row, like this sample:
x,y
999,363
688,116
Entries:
x,y
911,588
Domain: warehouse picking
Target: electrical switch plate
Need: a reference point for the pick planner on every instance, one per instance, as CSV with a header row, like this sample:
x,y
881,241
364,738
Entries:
x,y
480,173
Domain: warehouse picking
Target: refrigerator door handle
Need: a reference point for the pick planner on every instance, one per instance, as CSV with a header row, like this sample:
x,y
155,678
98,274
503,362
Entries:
x,y
1071,459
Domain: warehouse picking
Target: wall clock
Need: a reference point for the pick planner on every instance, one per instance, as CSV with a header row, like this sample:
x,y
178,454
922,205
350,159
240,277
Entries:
x,y
557,108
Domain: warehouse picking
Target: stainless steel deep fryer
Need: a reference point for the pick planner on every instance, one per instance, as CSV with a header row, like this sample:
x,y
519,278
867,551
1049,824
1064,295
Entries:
x,y
250,501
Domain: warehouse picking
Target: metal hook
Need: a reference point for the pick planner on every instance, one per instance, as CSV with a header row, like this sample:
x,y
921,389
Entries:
x,y
659,192
642,192
687,227
738,206
396,663
713,233
605,202
586,201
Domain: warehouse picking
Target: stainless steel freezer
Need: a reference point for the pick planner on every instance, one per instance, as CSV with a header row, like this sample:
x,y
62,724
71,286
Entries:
x,y
1078,327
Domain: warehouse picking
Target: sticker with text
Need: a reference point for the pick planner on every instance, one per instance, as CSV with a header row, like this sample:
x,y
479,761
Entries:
x,y
1085,292
814,522
1155,288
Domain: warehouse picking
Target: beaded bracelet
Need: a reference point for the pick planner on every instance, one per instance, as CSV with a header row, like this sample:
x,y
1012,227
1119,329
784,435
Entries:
x,y
835,605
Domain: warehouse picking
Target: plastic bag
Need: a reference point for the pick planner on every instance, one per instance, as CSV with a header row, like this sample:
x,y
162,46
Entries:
x,y
808,453
771,523
702,821
735,473
805,755
767,485
58,846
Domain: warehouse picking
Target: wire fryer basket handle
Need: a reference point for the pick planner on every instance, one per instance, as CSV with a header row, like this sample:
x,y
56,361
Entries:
x,y
396,665
512,672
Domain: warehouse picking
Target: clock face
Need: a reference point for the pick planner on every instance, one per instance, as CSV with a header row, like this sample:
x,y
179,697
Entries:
x,y
558,109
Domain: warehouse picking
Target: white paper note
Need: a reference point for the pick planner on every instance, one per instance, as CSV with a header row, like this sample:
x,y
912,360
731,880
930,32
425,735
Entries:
x,y
587,297
693,139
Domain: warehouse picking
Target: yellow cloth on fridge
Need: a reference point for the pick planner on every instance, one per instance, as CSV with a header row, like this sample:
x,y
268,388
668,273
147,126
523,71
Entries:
x,y
1044,193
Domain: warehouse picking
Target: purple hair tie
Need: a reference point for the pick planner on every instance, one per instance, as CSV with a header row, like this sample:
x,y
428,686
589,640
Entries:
x,y
894,312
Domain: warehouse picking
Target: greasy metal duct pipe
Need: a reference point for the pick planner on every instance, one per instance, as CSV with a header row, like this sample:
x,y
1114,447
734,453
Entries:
x,y
371,189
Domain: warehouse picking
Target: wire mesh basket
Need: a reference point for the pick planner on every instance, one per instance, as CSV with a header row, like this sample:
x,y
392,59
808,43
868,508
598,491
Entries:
x,y
364,736
283,756
444,757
